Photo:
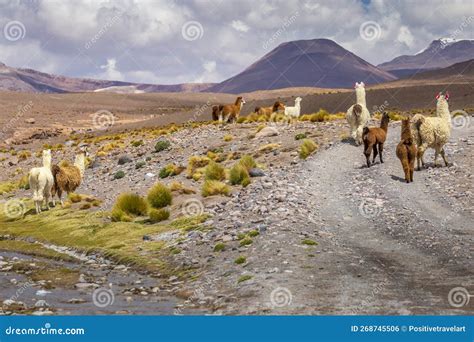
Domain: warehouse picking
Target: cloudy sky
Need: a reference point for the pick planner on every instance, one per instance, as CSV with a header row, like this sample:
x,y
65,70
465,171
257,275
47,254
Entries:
x,y
175,41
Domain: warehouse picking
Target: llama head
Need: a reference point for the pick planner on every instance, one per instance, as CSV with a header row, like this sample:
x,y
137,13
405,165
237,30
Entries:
x,y
298,99
359,85
442,97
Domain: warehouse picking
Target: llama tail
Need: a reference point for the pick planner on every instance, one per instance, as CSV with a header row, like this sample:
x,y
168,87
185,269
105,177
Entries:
x,y
365,131
418,120
55,169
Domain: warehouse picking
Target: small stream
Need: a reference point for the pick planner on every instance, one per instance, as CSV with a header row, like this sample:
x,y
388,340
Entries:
x,y
96,288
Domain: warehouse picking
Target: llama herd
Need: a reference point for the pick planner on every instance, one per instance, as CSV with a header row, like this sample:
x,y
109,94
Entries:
x,y
231,112
416,136
50,180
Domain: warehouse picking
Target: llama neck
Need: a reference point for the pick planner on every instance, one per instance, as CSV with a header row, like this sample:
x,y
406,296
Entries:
x,y
384,124
360,96
406,131
47,161
79,163
442,110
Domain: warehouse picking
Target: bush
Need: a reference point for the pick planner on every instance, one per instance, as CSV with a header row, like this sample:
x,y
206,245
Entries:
x,y
158,215
136,143
300,136
170,170
74,198
159,196
127,205
214,187
162,145
119,174
246,241
214,171
239,175
219,247
196,162
140,164
23,155
24,182
228,137
248,162
268,148
307,147
240,260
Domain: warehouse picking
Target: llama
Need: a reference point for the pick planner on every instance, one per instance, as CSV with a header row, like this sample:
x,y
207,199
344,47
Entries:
x,y
41,182
358,115
229,112
268,111
68,177
294,111
406,151
374,137
433,132
215,112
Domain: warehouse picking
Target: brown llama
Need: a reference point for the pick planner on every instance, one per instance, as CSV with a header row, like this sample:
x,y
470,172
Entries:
x,y
229,112
406,151
268,111
68,177
215,112
374,137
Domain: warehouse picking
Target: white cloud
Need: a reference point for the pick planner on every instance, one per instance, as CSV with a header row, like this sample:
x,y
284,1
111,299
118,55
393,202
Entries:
x,y
239,26
146,42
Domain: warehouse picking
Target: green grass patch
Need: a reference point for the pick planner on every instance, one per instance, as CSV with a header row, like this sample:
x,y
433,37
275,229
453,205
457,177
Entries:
x,y
240,260
309,242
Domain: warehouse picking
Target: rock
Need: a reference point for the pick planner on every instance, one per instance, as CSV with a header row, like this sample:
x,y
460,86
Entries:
x,y
41,304
42,313
146,238
86,286
267,132
76,301
255,172
150,175
30,120
124,159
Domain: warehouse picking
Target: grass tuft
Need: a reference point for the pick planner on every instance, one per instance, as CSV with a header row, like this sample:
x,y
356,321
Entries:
x,y
214,187
159,196
307,148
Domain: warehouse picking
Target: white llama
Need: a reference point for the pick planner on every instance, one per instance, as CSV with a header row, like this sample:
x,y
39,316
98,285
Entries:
x,y
41,182
433,132
294,111
358,115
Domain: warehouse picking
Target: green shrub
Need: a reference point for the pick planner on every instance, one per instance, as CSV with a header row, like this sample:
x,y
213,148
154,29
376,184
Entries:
x,y
244,278
246,241
170,170
127,205
240,260
140,164
214,171
253,233
136,143
119,174
214,187
219,247
248,162
158,215
239,175
300,136
307,147
159,196
162,145
309,242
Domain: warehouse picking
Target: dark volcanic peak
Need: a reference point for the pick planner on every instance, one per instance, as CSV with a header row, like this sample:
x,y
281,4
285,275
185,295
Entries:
x,y
304,63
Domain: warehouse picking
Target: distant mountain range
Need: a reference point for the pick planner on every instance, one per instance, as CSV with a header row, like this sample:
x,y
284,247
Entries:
x,y
29,80
304,63
440,53
318,63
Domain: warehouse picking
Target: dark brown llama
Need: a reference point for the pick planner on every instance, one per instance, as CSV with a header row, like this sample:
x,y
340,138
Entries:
x,y
268,111
374,137
406,151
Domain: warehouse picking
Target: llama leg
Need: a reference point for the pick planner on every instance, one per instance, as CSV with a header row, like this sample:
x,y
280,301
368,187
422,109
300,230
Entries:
x,y
412,167
436,157
367,152
444,157
420,153
375,152
60,193
380,152
406,170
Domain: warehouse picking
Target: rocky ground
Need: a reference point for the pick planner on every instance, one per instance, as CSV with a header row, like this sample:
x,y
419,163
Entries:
x,y
321,236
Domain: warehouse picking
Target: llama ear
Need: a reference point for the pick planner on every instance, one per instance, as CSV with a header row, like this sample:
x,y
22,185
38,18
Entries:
x,y
362,84
446,96
439,94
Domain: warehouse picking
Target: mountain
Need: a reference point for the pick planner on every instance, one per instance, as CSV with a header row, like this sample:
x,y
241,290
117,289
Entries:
x,y
304,63
32,81
440,53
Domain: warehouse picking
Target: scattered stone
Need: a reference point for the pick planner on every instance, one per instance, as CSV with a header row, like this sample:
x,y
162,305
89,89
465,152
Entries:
x,y
267,132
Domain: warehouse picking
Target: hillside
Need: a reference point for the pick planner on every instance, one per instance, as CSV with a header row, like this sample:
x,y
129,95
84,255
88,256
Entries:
x,y
304,63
